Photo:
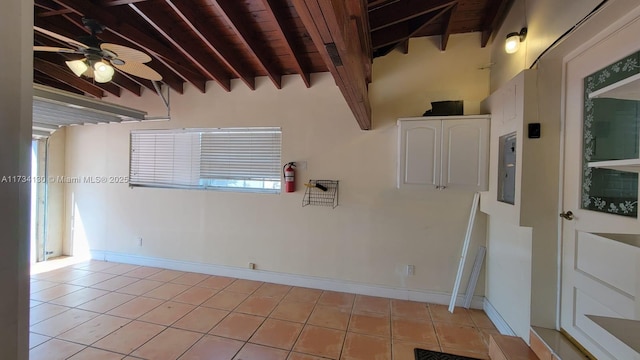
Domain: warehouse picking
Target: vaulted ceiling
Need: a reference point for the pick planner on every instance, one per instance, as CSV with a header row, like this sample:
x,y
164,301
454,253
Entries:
x,y
201,41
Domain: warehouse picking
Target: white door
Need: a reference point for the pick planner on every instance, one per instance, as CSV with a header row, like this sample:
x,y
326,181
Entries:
x,y
600,273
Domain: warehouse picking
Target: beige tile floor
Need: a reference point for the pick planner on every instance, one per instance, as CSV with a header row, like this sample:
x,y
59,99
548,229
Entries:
x,y
102,310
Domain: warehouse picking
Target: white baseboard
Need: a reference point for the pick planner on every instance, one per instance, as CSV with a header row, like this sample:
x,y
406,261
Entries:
x,y
497,319
287,279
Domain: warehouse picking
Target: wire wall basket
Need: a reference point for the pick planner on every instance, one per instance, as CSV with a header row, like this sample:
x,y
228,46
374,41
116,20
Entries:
x,y
321,193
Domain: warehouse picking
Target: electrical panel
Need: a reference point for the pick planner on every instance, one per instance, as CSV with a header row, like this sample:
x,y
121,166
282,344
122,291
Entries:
x,y
507,169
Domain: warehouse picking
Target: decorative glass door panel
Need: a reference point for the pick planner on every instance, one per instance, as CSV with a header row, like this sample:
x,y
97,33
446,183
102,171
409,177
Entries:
x,y
610,133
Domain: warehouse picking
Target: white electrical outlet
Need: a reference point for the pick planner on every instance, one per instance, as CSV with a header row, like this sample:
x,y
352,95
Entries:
x,y
139,241
302,165
411,269
252,266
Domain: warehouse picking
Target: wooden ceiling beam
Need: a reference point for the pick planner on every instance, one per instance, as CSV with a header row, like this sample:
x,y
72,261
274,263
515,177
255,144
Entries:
x,y
132,34
278,18
448,27
404,47
403,31
126,83
46,4
496,12
377,3
214,42
119,2
362,27
239,23
66,77
45,79
109,87
331,27
143,82
53,13
404,10
211,69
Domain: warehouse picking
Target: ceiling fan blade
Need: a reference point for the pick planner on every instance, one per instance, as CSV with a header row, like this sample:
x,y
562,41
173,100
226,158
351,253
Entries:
x,y
126,53
139,70
56,49
60,37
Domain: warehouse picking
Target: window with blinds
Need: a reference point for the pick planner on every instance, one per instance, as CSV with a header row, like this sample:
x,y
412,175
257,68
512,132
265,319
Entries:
x,y
237,159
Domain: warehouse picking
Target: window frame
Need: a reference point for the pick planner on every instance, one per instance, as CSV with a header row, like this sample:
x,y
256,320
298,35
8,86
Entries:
x,y
157,157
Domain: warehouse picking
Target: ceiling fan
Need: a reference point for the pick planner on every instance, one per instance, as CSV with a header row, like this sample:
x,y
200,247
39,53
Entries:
x,y
100,58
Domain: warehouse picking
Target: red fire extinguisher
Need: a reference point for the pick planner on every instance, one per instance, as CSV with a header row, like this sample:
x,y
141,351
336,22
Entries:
x,y
289,176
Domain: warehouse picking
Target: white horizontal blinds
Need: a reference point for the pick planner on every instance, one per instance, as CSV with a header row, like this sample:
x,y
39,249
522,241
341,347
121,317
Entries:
x,y
241,154
165,158
239,159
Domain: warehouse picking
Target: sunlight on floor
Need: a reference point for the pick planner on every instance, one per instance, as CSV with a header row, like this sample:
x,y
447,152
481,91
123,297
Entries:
x,y
56,263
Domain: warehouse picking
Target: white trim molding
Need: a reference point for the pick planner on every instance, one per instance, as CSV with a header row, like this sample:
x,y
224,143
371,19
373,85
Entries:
x,y
497,319
288,279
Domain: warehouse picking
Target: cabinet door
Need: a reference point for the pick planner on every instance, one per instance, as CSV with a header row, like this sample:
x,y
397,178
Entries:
x,y
419,153
465,148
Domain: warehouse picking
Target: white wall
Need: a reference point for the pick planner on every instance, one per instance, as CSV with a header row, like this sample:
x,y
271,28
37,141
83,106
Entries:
x,y
546,21
522,243
509,260
369,238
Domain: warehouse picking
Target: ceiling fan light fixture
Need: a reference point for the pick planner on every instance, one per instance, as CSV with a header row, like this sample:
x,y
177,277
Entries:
x,y
77,66
103,72
100,67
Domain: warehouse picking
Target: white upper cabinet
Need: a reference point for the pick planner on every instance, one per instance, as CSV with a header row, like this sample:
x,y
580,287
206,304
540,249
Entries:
x,y
444,152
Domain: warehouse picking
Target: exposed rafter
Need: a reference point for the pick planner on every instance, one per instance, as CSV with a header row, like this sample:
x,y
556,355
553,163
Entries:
x,y
374,4
279,19
184,10
126,83
404,10
403,31
448,27
332,26
204,63
66,77
239,24
495,14
44,79
119,2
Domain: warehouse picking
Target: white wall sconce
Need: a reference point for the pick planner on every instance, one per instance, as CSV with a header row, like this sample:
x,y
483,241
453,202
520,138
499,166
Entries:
x,y
513,41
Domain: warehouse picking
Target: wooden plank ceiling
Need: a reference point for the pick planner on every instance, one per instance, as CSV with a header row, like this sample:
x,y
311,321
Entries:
x,y
200,41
